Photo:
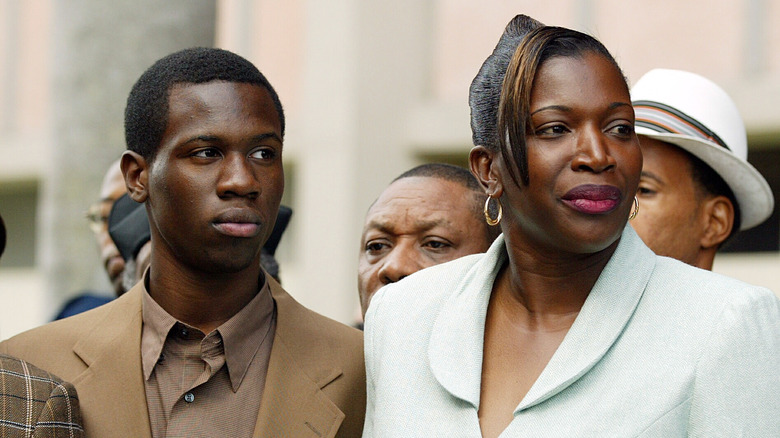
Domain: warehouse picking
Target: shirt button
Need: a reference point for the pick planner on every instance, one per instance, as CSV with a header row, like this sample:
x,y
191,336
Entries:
x,y
189,397
184,332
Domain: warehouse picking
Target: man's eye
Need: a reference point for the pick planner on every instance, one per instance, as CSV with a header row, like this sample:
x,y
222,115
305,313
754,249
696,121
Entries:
x,y
375,247
623,129
436,244
644,191
206,153
264,154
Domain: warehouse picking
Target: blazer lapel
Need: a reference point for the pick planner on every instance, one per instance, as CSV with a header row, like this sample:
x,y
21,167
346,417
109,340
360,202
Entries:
x,y
616,294
293,402
457,338
111,390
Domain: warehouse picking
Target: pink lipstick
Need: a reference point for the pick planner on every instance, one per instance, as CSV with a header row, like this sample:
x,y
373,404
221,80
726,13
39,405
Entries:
x,y
593,199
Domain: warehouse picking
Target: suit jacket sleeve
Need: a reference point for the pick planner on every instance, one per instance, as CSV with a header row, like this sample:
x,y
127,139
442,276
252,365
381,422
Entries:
x,y
60,416
738,376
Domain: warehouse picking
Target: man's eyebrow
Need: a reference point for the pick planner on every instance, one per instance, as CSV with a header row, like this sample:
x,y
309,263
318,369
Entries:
x,y
267,135
652,176
614,105
212,138
389,227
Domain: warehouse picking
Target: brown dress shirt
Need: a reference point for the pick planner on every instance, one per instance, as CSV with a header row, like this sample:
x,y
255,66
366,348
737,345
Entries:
x,y
206,385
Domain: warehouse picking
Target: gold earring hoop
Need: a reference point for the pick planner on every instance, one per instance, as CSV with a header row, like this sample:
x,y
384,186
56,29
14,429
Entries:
x,y
635,210
490,221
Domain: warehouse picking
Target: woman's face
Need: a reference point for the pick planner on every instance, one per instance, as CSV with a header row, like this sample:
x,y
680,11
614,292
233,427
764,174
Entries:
x,y
583,159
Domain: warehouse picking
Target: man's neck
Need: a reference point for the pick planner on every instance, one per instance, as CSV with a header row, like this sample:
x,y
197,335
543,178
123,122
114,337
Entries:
x,y
201,299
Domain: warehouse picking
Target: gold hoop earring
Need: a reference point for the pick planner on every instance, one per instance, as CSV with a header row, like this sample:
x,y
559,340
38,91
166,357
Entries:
x,y
635,210
490,221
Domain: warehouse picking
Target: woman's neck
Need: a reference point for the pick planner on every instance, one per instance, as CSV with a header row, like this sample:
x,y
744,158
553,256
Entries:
x,y
551,283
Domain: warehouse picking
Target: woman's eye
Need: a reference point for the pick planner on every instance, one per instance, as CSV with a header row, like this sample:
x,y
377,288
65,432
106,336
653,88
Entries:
x,y
552,130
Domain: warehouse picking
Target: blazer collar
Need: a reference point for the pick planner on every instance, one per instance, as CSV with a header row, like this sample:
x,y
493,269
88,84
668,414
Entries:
x,y
113,349
293,402
457,340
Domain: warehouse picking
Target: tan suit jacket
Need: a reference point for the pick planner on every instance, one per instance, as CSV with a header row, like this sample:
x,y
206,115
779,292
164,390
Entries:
x,y
315,386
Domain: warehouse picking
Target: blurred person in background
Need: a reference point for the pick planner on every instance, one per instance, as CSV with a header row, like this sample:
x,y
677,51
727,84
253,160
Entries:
x,y
112,188
697,189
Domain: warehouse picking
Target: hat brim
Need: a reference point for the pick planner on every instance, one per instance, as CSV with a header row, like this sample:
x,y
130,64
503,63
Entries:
x,y
753,193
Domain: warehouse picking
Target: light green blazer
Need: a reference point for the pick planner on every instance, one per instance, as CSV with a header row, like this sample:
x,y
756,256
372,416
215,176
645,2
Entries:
x,y
659,349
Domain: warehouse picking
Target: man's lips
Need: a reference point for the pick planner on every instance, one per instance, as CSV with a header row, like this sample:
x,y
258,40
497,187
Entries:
x,y
593,199
238,223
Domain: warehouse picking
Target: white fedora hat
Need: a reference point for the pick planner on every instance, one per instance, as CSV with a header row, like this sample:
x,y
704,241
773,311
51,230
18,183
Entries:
x,y
693,113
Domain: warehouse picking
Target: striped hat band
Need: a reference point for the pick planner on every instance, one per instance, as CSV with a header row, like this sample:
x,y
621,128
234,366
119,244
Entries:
x,y
663,118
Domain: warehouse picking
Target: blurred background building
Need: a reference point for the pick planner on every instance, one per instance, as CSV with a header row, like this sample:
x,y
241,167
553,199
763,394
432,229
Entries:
x,y
370,88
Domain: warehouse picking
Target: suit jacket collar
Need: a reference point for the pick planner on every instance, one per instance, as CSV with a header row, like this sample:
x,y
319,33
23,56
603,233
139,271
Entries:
x,y
456,347
293,401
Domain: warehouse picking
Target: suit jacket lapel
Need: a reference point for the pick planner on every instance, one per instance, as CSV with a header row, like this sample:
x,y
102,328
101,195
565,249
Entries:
x,y
293,403
602,319
112,386
457,339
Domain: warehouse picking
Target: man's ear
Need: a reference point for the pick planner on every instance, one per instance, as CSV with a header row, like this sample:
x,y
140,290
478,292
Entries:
x,y
136,172
484,166
719,220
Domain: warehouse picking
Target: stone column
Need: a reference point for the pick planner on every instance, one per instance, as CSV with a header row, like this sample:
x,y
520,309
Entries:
x,y
99,49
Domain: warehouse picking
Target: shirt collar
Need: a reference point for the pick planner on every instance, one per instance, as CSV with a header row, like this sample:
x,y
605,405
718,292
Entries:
x,y
242,334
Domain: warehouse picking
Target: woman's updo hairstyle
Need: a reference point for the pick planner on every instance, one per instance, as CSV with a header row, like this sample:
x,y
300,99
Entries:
x,y
500,94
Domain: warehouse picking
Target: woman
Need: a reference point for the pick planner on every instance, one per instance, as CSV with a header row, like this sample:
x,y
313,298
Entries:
x,y
569,325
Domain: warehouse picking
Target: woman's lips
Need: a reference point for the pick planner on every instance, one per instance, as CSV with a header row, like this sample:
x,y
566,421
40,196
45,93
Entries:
x,y
593,199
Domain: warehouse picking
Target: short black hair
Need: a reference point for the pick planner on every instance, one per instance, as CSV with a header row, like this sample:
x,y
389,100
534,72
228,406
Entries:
x,y
146,113
458,175
709,183
450,172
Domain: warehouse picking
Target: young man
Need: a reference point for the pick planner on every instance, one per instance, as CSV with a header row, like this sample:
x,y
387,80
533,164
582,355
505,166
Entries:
x,y
207,345
428,215
697,189
32,401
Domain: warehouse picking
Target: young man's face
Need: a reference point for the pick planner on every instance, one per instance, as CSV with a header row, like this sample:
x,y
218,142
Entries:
x,y
216,181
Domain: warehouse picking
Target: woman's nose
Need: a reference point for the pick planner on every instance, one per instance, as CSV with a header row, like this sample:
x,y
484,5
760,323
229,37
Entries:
x,y
593,152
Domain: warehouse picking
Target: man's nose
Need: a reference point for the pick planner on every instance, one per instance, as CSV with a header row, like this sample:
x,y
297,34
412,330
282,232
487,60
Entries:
x,y
401,261
238,177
